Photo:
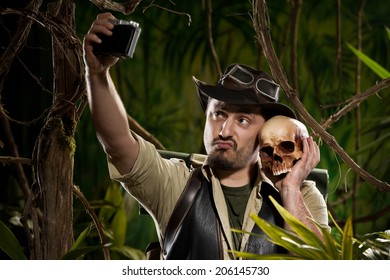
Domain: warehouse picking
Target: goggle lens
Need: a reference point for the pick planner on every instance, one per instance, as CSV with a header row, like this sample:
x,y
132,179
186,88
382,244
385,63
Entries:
x,y
240,78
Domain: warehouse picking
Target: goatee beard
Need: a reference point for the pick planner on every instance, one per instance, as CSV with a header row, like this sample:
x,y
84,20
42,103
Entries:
x,y
219,160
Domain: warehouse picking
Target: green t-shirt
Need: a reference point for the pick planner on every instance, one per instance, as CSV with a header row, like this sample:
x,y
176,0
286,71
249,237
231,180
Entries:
x,y
236,200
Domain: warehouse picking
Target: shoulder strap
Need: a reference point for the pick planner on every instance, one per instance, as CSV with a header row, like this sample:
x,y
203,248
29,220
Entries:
x,y
182,207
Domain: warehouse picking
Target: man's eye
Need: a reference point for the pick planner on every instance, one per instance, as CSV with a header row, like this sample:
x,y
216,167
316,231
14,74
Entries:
x,y
217,114
243,121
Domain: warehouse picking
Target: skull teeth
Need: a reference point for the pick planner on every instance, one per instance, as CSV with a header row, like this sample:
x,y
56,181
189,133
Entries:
x,y
280,170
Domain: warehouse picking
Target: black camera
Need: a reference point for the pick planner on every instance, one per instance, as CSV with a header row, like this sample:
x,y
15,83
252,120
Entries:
x,y
123,40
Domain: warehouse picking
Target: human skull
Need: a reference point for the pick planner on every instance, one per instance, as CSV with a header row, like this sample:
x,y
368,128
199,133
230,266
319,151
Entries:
x,y
281,143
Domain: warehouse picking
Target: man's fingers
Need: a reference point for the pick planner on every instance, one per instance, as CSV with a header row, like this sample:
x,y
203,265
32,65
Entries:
x,y
312,151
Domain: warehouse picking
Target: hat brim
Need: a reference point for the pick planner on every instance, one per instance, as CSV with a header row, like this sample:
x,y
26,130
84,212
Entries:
x,y
242,97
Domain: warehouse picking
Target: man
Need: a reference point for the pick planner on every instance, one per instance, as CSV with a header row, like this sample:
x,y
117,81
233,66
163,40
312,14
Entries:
x,y
231,180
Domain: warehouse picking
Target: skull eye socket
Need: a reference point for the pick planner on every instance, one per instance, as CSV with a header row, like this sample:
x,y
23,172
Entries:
x,y
267,151
287,146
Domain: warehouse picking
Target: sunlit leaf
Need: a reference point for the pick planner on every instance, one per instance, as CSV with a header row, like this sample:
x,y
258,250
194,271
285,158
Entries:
x,y
374,66
83,235
332,248
113,200
118,226
376,245
347,243
253,256
288,240
335,223
298,227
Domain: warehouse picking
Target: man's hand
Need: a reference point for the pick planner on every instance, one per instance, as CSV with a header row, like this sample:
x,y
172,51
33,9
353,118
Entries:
x,y
294,179
98,64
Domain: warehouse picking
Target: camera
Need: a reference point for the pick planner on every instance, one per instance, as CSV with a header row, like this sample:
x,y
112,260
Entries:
x,y
123,41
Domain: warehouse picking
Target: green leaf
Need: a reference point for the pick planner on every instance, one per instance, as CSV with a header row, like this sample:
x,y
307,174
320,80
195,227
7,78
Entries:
x,y
347,243
335,223
114,216
298,227
118,226
113,200
83,235
331,245
129,252
252,256
302,243
78,253
9,244
78,250
378,69
376,245
287,240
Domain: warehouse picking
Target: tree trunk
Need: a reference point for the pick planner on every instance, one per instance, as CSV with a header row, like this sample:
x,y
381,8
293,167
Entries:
x,y
54,173
54,151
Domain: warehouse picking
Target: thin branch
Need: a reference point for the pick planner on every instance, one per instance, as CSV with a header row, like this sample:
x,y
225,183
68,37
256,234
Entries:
x,y
369,218
125,8
5,159
59,31
373,216
17,42
355,101
294,42
169,10
137,128
261,24
210,40
22,178
34,77
95,219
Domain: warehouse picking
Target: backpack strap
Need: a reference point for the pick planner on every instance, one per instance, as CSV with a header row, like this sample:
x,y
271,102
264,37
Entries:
x,y
181,209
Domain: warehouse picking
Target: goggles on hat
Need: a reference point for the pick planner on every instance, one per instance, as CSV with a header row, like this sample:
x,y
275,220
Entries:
x,y
239,78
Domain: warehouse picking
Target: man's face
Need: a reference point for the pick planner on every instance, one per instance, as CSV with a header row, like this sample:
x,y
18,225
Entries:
x,y
230,135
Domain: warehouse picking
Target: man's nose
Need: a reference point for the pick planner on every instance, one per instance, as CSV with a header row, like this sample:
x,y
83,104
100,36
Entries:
x,y
226,128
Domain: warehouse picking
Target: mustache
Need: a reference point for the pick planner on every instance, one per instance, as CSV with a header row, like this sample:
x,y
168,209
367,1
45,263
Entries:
x,y
224,139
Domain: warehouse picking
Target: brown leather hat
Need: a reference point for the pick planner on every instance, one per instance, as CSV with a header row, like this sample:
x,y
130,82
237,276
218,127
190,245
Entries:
x,y
241,84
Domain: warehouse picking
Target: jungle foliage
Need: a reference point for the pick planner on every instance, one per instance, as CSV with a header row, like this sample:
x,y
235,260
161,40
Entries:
x,y
335,56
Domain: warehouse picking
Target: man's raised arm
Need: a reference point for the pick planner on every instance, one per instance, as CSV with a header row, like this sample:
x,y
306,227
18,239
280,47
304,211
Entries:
x,y
107,109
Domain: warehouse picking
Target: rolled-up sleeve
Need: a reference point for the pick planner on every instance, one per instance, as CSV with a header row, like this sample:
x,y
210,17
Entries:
x,y
156,183
316,204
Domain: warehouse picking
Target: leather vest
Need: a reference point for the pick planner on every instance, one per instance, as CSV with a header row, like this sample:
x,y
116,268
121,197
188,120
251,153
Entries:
x,y
199,236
